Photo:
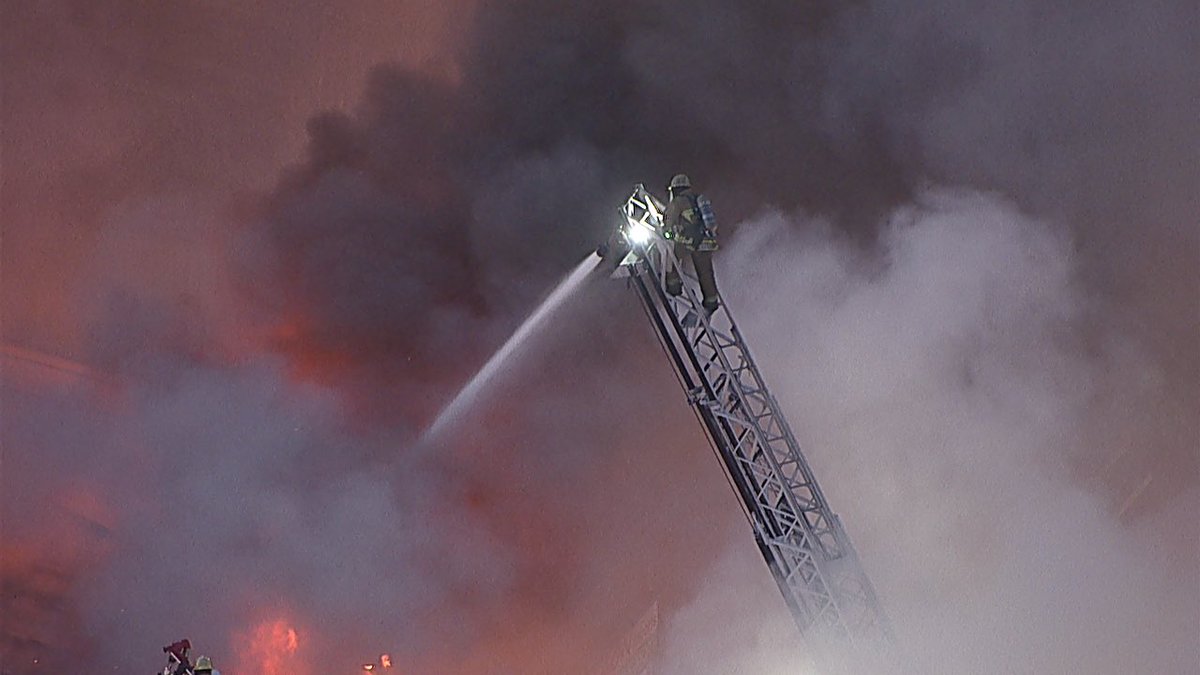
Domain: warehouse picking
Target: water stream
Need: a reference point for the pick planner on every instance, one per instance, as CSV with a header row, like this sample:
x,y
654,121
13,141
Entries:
x,y
467,395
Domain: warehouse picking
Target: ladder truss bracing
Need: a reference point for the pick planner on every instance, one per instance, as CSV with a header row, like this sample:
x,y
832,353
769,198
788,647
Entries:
x,y
800,537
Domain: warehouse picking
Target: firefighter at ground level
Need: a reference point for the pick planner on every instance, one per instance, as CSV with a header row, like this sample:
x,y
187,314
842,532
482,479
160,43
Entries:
x,y
204,667
179,650
683,222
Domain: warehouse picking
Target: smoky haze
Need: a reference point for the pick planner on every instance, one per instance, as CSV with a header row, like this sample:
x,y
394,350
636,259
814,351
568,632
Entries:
x,y
962,240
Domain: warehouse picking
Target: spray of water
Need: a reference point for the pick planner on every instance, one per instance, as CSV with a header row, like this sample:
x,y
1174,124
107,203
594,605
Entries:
x,y
466,397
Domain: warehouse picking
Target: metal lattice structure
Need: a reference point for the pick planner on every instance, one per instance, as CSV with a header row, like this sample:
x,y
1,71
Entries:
x,y
798,534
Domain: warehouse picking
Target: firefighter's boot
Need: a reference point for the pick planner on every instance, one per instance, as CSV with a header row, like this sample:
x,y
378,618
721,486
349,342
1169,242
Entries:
x,y
707,278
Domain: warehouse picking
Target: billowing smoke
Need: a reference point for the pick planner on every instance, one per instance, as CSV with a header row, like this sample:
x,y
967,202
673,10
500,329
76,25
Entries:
x,y
963,243
946,397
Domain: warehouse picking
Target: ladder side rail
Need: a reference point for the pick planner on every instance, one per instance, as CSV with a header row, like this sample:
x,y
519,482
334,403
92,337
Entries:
x,y
770,414
852,581
752,420
721,429
783,525
853,588
683,373
786,429
743,485
815,516
704,335
788,516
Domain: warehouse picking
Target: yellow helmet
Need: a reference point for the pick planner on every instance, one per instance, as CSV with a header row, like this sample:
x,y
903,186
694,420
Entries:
x,y
203,663
679,182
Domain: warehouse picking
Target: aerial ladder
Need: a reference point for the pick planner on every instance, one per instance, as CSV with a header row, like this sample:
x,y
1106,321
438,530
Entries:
x,y
800,537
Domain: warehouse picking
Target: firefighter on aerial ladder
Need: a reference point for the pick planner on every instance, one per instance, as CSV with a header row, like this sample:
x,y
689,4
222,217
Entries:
x,y
684,223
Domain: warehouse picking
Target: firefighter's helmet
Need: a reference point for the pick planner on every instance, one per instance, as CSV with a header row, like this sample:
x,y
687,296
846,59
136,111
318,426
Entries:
x,y
680,182
203,665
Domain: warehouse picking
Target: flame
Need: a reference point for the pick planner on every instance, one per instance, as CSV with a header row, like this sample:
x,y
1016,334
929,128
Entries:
x,y
273,649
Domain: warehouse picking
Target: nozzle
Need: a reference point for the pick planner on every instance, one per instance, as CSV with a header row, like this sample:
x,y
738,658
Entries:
x,y
612,250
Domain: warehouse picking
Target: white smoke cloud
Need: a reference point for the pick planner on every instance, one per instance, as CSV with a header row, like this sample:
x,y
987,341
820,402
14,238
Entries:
x,y
941,391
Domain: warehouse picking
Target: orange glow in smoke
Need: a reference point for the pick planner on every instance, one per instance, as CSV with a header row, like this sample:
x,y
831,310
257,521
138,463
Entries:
x,y
273,649
308,360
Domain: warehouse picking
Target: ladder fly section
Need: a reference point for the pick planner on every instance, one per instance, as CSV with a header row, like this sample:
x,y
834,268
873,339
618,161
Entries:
x,y
799,536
